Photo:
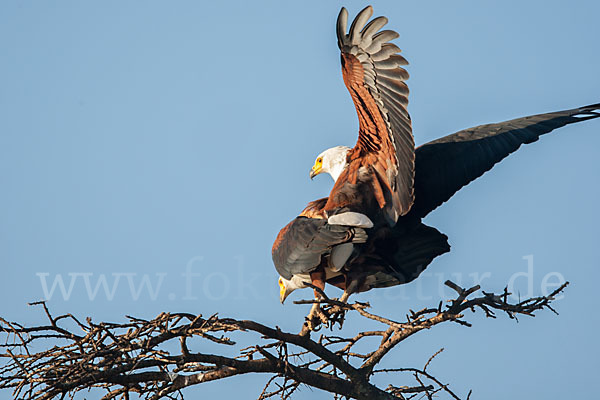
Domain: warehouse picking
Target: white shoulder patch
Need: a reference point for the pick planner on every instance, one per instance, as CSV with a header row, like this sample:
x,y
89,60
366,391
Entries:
x,y
351,219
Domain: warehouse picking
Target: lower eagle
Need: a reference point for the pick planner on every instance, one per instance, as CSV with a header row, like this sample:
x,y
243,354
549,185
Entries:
x,y
368,232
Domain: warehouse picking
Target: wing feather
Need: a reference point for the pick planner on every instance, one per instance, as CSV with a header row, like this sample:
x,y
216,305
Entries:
x,y
358,24
370,29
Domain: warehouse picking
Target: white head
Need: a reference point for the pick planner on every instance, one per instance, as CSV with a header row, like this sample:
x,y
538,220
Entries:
x,y
288,286
331,161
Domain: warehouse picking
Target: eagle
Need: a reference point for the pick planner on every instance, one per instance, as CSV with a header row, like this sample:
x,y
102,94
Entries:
x,y
368,233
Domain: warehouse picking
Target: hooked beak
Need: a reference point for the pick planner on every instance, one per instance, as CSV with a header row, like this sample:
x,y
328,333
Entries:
x,y
283,294
314,171
317,168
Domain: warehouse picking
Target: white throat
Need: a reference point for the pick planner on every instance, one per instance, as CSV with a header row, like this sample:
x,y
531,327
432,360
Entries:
x,y
334,161
336,170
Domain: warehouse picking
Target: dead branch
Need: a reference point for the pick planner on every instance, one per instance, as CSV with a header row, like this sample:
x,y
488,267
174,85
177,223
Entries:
x,y
135,357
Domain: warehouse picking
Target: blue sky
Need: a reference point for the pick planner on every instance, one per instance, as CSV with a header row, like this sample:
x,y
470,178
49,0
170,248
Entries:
x,y
141,140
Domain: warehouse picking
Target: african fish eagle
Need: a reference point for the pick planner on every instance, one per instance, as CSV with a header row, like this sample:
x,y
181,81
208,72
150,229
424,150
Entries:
x,y
368,233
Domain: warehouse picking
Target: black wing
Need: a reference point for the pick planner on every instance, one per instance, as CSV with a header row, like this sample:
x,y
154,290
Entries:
x,y
445,165
398,258
301,244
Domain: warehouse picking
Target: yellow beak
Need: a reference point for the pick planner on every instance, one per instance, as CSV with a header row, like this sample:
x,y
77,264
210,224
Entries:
x,y
282,291
316,170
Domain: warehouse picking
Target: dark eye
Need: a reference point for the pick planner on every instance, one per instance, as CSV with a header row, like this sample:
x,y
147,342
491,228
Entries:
x,y
319,160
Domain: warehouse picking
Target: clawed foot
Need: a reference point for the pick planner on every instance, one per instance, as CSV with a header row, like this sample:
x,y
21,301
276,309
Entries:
x,y
326,316
315,318
330,314
337,314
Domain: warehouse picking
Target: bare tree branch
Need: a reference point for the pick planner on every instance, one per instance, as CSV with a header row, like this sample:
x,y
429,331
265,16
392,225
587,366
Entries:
x,y
136,356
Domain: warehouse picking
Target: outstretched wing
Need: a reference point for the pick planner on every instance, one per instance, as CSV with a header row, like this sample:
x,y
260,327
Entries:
x,y
445,165
384,151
